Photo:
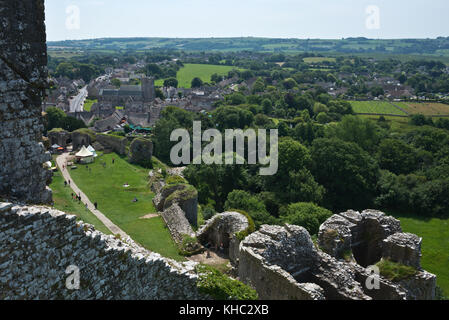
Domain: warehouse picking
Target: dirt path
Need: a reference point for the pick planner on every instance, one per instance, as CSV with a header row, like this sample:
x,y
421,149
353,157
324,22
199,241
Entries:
x,y
213,259
62,161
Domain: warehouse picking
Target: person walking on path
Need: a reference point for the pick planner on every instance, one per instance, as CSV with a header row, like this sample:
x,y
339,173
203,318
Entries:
x,y
77,194
96,205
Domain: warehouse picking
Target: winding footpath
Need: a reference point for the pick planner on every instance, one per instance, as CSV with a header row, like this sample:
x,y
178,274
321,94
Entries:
x,y
62,163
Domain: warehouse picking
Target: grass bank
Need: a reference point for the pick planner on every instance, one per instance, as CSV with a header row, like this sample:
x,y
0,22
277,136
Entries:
x,y
62,198
435,245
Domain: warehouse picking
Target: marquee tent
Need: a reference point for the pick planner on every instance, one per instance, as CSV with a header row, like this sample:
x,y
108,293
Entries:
x,y
85,156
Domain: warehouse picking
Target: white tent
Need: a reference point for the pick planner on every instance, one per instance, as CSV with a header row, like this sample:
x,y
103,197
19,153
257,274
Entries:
x,y
91,149
85,156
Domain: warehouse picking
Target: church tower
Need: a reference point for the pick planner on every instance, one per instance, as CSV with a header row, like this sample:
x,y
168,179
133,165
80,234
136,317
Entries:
x,y
148,91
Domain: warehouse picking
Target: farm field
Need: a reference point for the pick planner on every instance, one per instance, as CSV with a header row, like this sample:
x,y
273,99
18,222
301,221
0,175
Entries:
x,y
203,71
318,59
425,108
376,107
105,186
62,198
435,246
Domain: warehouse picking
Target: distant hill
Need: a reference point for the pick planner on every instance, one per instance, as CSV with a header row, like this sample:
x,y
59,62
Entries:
x,y
438,47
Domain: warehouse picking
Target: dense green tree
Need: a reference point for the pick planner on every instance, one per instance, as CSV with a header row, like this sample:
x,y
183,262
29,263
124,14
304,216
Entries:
x,y
171,82
293,182
197,82
216,78
259,86
171,118
116,82
215,182
348,173
230,117
307,215
364,132
289,83
154,70
397,156
243,200
159,94
54,117
236,99
267,106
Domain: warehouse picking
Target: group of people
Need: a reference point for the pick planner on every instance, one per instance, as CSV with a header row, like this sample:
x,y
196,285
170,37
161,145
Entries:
x,y
217,248
76,197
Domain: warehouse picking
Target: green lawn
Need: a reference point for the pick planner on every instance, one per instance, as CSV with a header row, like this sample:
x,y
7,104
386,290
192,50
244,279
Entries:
x,y
62,197
105,186
203,71
88,104
435,246
378,107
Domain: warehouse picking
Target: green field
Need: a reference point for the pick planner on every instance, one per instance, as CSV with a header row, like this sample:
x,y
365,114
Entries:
x,y
105,186
377,107
435,246
62,198
203,71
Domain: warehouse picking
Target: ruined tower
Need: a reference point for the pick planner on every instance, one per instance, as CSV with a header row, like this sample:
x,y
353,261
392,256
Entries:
x,y
23,78
148,90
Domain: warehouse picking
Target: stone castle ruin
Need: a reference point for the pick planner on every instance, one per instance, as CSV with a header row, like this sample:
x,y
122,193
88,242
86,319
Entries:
x,y
40,246
284,263
23,79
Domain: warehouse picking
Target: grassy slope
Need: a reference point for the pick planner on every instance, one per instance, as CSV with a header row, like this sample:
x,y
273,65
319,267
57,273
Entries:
x,y
105,186
435,246
62,197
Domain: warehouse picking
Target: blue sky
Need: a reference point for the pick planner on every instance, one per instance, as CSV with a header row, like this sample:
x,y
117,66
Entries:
x,y
327,19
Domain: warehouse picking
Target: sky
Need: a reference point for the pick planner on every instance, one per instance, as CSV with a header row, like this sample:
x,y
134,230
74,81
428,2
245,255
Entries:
x,y
325,19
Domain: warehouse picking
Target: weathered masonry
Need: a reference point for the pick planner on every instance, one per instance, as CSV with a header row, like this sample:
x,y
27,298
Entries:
x,y
23,77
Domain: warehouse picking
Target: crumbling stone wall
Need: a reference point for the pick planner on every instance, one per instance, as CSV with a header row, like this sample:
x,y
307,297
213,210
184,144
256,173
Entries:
x,y
61,138
184,195
81,138
23,79
38,244
116,144
141,151
287,255
221,228
177,223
